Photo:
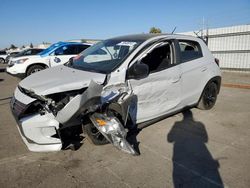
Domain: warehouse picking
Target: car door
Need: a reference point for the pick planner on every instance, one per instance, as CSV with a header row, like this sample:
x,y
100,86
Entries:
x,y
193,66
159,93
62,55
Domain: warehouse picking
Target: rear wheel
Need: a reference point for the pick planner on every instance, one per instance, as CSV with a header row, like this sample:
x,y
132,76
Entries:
x,y
209,96
94,135
33,69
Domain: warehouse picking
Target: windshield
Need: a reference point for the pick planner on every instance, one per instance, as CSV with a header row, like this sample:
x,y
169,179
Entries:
x,y
104,56
47,50
22,53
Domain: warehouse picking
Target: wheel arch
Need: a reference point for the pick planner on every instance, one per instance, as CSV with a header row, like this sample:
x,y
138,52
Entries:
x,y
33,64
216,80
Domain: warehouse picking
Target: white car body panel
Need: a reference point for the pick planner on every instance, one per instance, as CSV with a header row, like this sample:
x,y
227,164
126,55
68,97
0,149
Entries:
x,y
163,93
60,58
3,56
36,129
22,68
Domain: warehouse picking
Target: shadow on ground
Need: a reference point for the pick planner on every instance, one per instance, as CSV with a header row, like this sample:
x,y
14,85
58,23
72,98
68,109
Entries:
x,y
6,98
193,164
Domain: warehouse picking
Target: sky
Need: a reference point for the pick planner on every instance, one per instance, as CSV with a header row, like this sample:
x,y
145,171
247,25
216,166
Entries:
x,y
35,21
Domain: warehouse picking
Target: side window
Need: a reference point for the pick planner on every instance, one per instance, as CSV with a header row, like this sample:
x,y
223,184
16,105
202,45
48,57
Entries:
x,y
100,52
28,52
36,51
80,48
190,50
71,50
159,59
66,50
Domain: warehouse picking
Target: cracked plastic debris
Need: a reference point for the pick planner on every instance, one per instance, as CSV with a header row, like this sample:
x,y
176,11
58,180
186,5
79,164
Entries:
x,y
113,92
113,131
79,101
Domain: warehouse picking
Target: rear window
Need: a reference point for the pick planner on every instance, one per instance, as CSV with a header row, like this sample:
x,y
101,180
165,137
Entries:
x,y
190,50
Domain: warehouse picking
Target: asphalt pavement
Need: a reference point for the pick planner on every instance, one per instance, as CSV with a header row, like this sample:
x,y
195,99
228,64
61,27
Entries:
x,y
190,149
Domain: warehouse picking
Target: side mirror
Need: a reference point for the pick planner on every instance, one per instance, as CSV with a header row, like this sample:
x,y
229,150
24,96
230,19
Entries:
x,y
138,71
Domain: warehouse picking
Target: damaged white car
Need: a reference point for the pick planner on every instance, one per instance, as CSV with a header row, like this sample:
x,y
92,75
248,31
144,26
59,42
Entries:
x,y
115,86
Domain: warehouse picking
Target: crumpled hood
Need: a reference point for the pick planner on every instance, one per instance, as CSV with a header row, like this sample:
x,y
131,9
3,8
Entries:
x,y
59,79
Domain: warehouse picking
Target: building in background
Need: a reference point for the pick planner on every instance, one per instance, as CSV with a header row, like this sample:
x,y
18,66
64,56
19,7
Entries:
x,y
231,45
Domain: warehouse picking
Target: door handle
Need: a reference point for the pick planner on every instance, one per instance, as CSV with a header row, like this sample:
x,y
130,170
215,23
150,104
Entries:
x,y
176,79
203,69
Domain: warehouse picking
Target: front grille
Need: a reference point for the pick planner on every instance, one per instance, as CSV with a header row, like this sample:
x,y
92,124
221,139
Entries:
x,y
18,108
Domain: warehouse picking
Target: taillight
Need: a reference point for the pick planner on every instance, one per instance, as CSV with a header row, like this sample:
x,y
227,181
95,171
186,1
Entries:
x,y
217,61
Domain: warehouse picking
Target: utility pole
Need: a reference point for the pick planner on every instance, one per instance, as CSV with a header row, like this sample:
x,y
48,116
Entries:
x,y
204,30
207,35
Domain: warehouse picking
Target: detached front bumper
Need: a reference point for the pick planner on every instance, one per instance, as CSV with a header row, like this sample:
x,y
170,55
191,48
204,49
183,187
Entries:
x,y
39,132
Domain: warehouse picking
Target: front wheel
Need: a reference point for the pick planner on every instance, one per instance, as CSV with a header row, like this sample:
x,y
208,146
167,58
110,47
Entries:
x,y
208,97
33,69
2,60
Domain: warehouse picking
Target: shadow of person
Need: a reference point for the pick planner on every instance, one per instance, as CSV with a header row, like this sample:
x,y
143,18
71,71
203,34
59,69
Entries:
x,y
193,164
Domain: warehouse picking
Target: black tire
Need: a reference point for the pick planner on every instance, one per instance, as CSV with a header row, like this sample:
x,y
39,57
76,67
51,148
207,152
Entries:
x,y
93,135
33,69
2,60
208,97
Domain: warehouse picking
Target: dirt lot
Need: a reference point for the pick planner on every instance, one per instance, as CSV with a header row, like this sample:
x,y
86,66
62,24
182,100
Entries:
x,y
197,149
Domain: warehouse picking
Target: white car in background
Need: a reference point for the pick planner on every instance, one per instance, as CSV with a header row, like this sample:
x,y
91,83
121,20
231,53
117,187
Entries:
x,y
115,85
57,54
3,56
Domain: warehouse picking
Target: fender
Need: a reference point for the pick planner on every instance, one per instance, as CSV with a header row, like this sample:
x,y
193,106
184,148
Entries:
x,y
216,80
38,63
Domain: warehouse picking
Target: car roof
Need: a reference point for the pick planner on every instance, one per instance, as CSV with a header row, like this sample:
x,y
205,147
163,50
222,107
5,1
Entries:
x,y
71,43
135,37
144,37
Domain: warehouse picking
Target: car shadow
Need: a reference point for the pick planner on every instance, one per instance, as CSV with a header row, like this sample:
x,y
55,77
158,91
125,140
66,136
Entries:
x,y
71,138
2,69
1,80
132,139
193,164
